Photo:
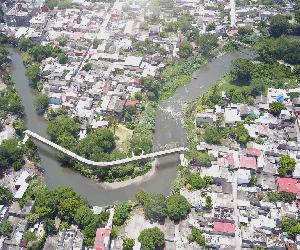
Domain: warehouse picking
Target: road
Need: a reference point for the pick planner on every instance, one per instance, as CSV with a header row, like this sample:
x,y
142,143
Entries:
x,y
238,233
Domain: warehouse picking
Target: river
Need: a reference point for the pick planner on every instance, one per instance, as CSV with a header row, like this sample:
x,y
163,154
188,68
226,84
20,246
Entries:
x,y
169,129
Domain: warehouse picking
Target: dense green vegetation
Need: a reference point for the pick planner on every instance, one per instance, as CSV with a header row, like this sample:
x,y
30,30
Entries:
x,y
287,165
6,196
196,236
177,207
5,228
282,48
151,238
64,203
41,102
157,207
58,3
196,181
281,196
128,244
99,145
122,211
33,54
291,225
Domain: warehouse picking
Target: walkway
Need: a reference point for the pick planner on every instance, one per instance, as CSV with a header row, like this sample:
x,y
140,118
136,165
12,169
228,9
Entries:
x,y
105,164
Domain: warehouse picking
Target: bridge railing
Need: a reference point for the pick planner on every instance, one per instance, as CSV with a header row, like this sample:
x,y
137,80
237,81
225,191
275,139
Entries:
x,y
104,164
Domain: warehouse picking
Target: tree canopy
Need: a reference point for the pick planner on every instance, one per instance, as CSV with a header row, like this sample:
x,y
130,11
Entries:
x,y
151,238
279,25
177,207
63,124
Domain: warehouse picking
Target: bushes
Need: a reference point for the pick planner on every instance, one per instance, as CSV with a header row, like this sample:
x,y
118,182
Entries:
x,y
122,211
196,236
281,196
197,182
128,244
6,196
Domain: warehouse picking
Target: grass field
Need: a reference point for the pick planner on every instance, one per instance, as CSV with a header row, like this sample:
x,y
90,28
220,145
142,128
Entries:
x,y
123,136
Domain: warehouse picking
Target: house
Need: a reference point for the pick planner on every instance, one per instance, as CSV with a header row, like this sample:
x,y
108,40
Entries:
x,y
243,176
224,228
102,240
289,185
248,162
231,115
208,117
133,61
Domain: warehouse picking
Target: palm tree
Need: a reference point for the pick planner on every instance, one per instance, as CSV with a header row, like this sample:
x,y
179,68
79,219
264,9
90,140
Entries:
x,y
112,123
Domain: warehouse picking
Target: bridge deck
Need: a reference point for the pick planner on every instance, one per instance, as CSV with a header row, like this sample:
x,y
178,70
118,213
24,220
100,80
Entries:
x,y
104,164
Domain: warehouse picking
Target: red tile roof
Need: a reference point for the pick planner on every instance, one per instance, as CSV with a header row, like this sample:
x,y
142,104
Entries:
x,y
253,152
224,227
101,234
230,159
131,103
289,185
247,162
264,129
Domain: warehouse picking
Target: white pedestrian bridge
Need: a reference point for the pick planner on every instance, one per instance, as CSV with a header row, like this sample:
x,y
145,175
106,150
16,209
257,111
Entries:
x,y
104,164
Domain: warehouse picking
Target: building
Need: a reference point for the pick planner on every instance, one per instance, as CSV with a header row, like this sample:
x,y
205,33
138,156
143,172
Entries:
x,y
102,240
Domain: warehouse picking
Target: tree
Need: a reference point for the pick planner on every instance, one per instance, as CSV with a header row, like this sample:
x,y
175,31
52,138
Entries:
x,y
10,152
199,158
211,27
49,226
287,165
245,30
142,196
128,244
212,135
112,123
241,71
279,25
121,214
197,182
97,144
62,40
29,237
25,44
207,42
41,102
83,216
276,108
87,67
6,196
34,74
197,237
291,226
5,228
67,208
155,208
151,238
62,124
177,207
3,57
208,202
241,134
19,126
185,49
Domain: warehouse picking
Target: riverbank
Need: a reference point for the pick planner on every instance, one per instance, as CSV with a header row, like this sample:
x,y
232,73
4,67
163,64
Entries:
x,y
168,129
133,181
